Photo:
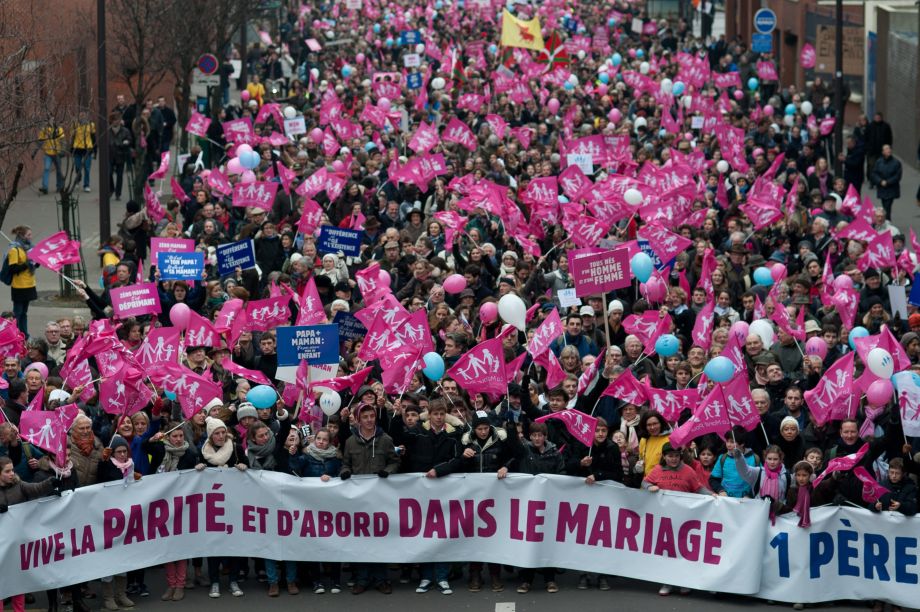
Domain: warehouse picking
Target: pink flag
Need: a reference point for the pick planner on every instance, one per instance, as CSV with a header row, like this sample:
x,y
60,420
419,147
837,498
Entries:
x,y
590,372
263,315
886,340
152,204
625,387
645,327
259,194
381,339
311,307
38,402
12,341
160,172
228,314
740,404
352,382
372,290
666,244
56,251
842,464
425,138
311,218
846,301
513,368
549,330
702,328
481,369
459,132
238,370
554,372
761,212
160,346
198,125
872,490
201,332
177,190
834,391
807,56
908,394
498,125
670,404
44,429
708,267
710,416
579,424
239,131
879,253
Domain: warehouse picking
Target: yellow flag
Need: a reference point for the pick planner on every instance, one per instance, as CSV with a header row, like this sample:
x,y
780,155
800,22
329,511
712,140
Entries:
x,y
519,33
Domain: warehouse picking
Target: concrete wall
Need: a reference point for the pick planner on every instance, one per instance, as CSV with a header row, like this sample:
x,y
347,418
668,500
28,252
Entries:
x,y
898,89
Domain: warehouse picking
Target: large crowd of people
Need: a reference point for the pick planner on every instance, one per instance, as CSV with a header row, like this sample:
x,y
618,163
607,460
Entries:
x,y
735,166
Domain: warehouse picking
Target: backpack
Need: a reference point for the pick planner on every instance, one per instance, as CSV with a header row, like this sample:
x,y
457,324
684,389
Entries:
x,y
6,275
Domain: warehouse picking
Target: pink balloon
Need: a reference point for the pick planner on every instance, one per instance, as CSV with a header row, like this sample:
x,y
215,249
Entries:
x,y
778,271
338,166
740,330
843,282
243,148
757,152
879,392
359,59
384,104
248,177
688,136
632,53
455,283
384,278
179,314
768,110
553,105
614,115
488,312
234,166
655,290
205,174
244,95
316,135
738,94
602,89
816,346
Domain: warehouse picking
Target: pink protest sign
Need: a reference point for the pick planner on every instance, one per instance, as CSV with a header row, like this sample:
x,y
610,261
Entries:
x,y
170,245
600,272
135,300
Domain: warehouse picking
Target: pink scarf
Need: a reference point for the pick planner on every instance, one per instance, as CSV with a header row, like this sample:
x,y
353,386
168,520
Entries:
x,y
126,467
769,487
803,506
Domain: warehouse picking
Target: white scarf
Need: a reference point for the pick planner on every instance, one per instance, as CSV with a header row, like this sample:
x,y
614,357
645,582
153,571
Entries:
x,y
217,457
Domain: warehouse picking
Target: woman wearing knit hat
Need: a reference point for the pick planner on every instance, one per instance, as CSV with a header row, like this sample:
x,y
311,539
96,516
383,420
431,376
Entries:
x,y
220,451
117,465
790,441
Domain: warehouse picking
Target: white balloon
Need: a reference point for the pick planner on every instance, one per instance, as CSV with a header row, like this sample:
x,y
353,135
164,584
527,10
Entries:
x,y
314,72
806,107
667,86
330,402
581,54
880,362
512,310
688,101
644,67
789,120
419,48
633,197
437,83
722,166
573,80
763,329
290,112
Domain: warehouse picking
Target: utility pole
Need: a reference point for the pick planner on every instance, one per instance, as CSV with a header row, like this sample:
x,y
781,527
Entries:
x,y
838,90
102,127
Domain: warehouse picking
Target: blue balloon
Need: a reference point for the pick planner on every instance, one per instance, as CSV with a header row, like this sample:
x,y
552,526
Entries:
x,y
568,86
604,78
493,49
376,28
389,42
346,71
719,369
857,332
617,59
562,199
753,83
169,395
262,396
678,88
763,277
667,345
790,109
434,366
250,160
611,22
641,265
438,5
640,53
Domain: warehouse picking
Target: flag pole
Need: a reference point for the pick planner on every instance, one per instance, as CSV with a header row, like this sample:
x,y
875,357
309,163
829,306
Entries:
x,y
606,320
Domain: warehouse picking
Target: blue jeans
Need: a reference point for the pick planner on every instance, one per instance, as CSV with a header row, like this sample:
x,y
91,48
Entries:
x,y
370,574
83,163
290,571
436,572
59,175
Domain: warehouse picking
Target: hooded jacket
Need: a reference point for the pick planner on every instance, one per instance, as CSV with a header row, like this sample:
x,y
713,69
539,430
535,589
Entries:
x,y
19,491
427,450
532,461
369,456
606,461
492,454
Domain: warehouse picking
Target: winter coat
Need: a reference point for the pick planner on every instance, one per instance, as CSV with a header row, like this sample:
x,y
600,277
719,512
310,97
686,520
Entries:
x,y
157,452
904,492
19,491
606,461
426,450
532,461
754,476
310,467
888,170
725,476
492,454
369,456
85,467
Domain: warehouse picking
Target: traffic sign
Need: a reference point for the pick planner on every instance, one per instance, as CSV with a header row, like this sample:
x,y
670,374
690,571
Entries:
x,y
765,21
207,63
762,43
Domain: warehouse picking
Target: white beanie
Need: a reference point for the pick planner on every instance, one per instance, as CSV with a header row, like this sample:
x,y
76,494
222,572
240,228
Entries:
x,y
213,425
214,403
789,421
615,305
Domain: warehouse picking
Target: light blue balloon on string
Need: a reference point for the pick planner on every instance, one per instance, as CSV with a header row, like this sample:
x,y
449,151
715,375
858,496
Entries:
x,y
763,277
667,345
790,109
262,396
434,366
857,332
641,266
169,395
604,78
617,59
719,369
753,83
678,88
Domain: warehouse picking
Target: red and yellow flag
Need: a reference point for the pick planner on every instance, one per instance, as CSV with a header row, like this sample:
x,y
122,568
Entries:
x,y
519,33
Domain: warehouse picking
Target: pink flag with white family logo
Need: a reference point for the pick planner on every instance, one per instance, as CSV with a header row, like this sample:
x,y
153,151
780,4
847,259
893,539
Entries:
x,y
702,328
842,464
579,424
807,56
239,131
670,404
311,219
590,372
740,403
625,387
47,429
152,204
266,314
161,345
666,244
198,125
458,132
834,396
200,331
554,372
549,330
311,307
238,370
259,194
56,251
710,416
219,182
352,382
872,490
12,341
482,368
160,172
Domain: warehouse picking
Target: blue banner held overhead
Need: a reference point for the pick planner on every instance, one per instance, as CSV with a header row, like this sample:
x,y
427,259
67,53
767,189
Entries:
x,y
914,298
335,239
410,37
241,254
350,328
414,80
180,266
317,344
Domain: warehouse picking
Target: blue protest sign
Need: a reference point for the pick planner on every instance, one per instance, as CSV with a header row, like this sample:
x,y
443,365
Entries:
x,y
410,37
762,43
648,250
414,80
350,327
318,344
335,239
914,298
235,255
180,266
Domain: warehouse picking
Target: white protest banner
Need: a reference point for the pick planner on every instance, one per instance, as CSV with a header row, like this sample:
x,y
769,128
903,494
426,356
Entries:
x,y
584,161
568,298
527,521
847,553
696,122
411,60
295,127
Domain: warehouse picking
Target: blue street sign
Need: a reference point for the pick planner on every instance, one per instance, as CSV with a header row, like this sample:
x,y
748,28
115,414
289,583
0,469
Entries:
x,y
765,21
762,43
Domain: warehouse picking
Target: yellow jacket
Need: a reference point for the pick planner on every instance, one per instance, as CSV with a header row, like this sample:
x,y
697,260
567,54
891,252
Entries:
x,y
650,451
26,278
52,139
84,136
256,92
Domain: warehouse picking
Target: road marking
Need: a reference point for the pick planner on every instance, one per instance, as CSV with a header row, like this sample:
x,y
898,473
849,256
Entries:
x,y
504,606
